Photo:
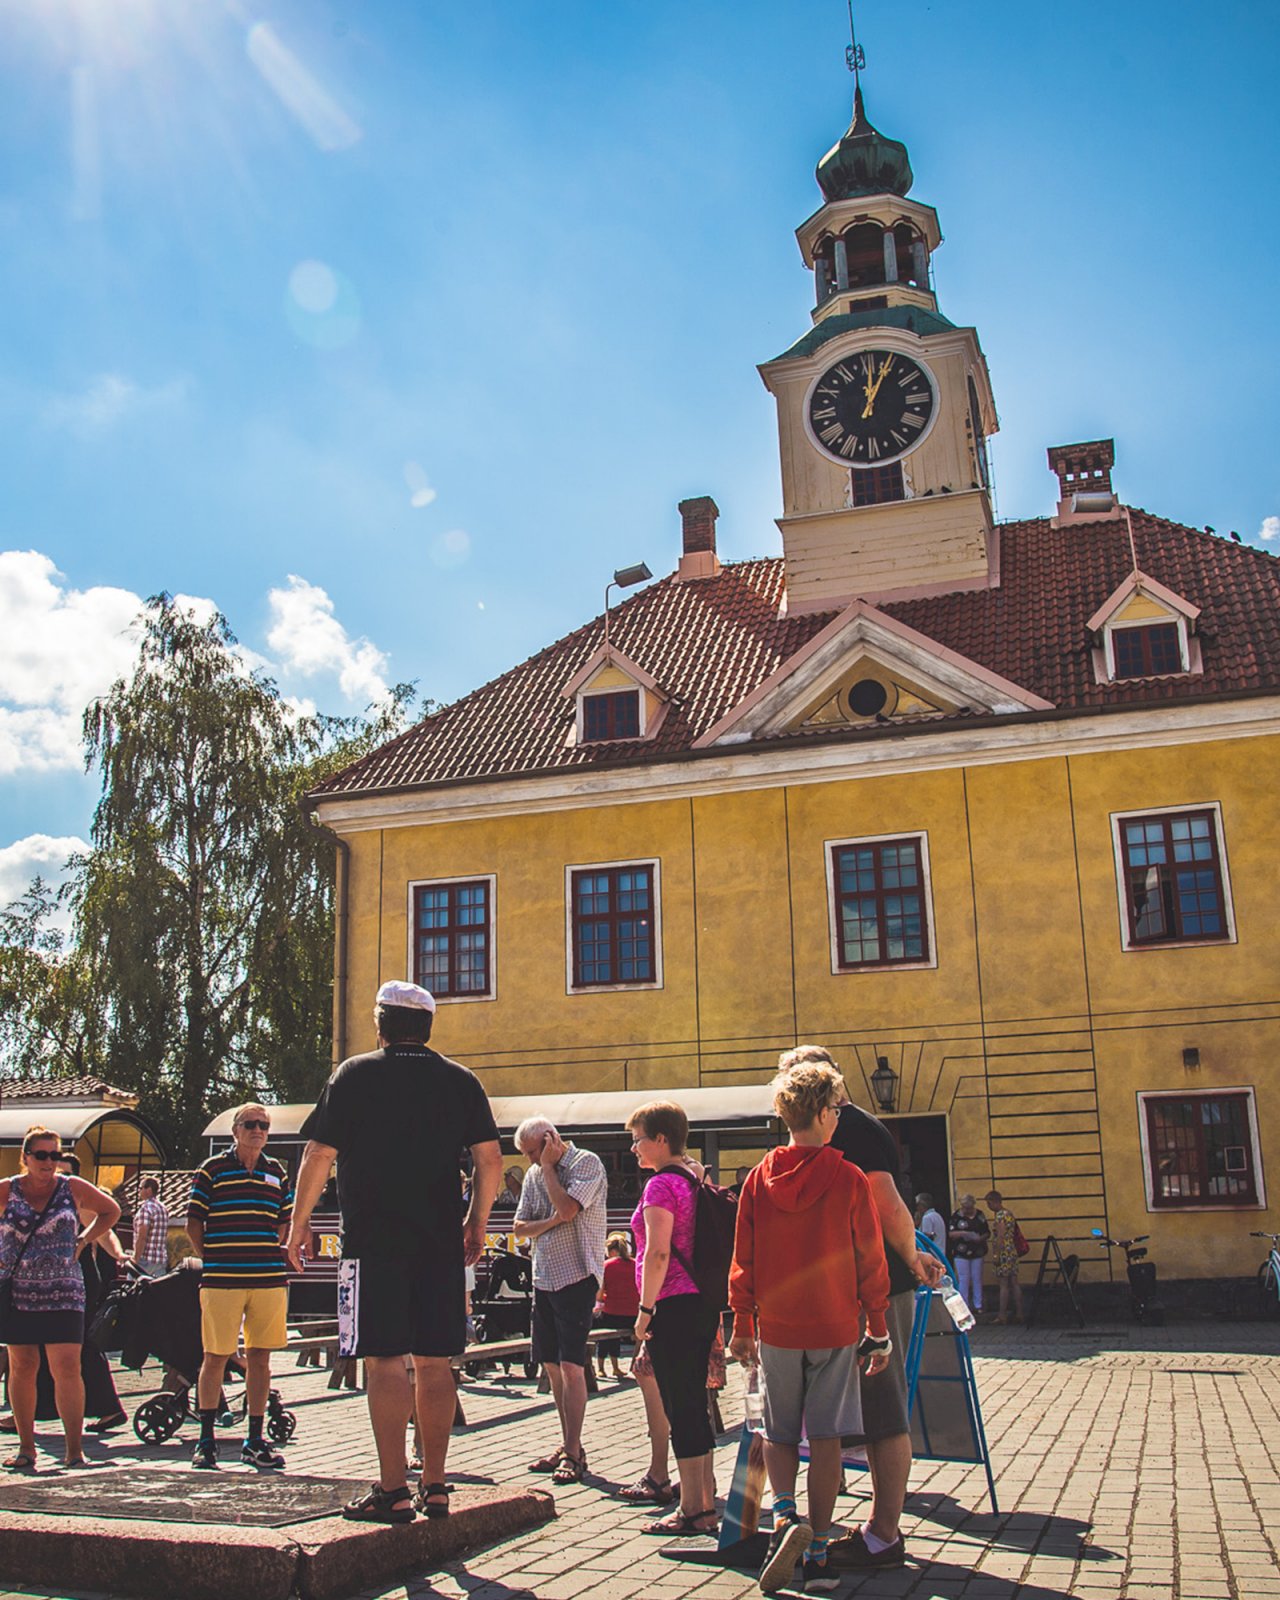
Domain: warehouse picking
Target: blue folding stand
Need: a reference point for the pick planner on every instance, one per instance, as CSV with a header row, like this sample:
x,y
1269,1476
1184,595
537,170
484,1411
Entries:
x,y
940,1430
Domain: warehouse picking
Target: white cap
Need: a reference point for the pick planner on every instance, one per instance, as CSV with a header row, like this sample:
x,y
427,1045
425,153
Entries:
x,y
409,995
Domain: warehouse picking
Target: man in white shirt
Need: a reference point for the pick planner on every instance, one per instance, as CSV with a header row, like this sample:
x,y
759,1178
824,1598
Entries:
x,y
931,1223
563,1211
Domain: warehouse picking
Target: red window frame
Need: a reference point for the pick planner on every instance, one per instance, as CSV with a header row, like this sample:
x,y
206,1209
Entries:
x,y
1200,1150
1151,651
877,897
462,932
1189,885
614,937
611,716
878,486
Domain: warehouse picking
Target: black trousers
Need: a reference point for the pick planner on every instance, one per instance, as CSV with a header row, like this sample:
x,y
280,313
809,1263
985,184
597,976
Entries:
x,y
680,1338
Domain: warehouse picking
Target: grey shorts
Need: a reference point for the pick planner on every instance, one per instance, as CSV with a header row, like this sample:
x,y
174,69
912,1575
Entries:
x,y
811,1394
884,1397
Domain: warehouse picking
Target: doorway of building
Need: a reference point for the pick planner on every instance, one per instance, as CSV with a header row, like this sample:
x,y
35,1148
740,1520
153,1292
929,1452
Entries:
x,y
925,1153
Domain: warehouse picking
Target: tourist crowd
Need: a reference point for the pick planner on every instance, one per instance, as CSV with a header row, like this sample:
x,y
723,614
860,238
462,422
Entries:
x,y
813,1251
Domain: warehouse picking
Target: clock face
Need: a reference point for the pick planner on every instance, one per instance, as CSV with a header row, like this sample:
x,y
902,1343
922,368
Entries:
x,y
871,408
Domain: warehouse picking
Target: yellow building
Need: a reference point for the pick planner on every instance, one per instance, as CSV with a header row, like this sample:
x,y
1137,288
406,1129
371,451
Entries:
x,y
985,808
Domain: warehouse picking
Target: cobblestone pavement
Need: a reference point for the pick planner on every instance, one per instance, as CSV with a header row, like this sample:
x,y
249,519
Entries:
x,y
1130,1465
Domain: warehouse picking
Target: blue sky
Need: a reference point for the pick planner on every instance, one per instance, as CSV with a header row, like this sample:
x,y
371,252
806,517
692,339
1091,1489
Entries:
x,y
392,327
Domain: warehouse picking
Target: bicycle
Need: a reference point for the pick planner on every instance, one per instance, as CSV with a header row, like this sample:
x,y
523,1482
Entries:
x,y
1269,1276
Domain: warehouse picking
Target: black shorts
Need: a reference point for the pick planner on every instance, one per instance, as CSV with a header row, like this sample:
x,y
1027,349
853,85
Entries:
x,y
884,1397
400,1307
562,1321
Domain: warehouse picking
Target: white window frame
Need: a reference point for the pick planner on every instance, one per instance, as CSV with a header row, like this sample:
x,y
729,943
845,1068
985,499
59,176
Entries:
x,y
1255,1146
590,694
656,982
1119,625
411,965
829,847
1118,818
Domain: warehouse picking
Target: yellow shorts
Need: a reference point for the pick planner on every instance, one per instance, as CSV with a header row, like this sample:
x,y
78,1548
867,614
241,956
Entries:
x,y
263,1312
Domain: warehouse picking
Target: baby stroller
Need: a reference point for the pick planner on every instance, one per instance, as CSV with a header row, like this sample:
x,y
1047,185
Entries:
x,y
502,1304
160,1317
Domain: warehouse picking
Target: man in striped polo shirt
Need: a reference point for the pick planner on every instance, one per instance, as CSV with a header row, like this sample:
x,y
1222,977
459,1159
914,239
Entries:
x,y
237,1218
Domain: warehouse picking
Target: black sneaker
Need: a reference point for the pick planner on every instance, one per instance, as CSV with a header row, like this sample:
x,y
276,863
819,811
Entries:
x,y
854,1552
820,1577
206,1454
258,1453
787,1546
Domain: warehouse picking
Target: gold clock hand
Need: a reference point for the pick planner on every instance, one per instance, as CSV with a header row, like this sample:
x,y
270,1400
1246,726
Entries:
x,y
873,389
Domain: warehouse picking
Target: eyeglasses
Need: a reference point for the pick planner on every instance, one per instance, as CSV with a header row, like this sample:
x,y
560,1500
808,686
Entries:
x,y
44,1155
254,1126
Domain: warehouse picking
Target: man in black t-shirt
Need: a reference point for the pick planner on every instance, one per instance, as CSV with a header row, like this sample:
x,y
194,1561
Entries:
x,y
864,1140
397,1121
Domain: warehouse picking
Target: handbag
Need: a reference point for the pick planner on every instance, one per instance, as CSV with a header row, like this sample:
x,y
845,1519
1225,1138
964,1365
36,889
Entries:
x,y
6,1283
1020,1241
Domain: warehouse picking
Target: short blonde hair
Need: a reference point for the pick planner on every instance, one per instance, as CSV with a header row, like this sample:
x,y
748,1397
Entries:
x,y
804,1089
657,1118
618,1244
241,1112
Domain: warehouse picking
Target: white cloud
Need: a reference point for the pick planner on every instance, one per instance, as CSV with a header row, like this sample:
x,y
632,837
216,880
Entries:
x,y
37,853
1270,528
300,92
59,649
310,640
108,399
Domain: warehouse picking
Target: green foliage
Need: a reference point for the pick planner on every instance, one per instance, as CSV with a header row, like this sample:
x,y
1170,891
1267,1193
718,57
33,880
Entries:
x,y
203,910
50,1019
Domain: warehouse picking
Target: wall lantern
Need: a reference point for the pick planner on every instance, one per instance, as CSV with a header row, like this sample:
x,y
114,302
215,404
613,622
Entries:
x,y
1191,1058
884,1084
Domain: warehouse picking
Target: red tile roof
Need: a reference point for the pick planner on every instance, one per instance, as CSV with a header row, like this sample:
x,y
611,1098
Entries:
x,y
21,1090
709,643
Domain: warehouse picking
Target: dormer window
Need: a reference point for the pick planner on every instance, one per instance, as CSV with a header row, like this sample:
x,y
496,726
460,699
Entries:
x,y
614,699
1144,631
611,716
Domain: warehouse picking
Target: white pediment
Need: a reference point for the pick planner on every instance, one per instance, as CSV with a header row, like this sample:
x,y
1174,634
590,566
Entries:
x,y
934,679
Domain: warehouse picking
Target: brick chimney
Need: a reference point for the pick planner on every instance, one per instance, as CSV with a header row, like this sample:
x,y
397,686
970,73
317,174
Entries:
x,y
1084,481
698,532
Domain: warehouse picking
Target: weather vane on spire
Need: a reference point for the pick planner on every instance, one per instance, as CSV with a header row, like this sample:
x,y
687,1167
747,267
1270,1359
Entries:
x,y
854,56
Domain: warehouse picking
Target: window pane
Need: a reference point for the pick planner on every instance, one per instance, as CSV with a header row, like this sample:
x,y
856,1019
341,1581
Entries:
x,y
880,914
612,931
452,947
1174,882
1201,1151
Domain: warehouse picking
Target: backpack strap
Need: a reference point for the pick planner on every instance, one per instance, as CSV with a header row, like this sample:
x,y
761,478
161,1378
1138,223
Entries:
x,y
676,1251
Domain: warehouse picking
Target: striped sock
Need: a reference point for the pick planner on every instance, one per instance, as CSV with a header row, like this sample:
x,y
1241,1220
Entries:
x,y
818,1547
784,1507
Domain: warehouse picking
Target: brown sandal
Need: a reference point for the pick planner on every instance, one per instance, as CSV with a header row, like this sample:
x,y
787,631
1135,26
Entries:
x,y
548,1463
571,1468
648,1492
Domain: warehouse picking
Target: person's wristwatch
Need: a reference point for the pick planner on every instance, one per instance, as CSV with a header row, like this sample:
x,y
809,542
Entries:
x,y
647,1310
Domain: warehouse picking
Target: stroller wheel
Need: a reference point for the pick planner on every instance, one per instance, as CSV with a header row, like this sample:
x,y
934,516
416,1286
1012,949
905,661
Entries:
x,y
158,1419
281,1426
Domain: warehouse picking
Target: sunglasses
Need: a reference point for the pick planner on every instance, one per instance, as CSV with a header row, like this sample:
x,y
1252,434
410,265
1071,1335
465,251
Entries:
x,y
44,1155
254,1126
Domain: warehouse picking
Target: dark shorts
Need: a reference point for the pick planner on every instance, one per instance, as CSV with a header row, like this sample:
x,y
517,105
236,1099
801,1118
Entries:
x,y
562,1321
884,1397
400,1307
43,1327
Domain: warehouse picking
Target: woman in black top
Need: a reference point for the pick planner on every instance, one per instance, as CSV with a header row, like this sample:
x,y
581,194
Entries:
x,y
968,1235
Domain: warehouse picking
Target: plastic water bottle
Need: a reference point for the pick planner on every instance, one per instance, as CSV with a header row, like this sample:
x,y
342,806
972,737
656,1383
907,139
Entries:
x,y
957,1306
753,1395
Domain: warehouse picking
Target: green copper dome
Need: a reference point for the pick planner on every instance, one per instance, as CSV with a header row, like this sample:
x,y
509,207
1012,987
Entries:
x,y
864,162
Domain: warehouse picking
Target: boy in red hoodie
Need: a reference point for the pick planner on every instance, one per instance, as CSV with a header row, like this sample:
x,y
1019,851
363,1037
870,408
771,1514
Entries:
x,y
808,1268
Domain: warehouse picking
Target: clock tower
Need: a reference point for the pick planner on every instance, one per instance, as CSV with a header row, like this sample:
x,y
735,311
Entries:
x,y
884,406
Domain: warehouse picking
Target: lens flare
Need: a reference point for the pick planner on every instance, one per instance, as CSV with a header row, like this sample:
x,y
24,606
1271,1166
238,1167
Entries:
x,y
451,550
322,306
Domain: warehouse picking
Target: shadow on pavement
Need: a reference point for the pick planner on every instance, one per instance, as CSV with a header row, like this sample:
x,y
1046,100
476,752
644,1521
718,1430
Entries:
x,y
1017,1530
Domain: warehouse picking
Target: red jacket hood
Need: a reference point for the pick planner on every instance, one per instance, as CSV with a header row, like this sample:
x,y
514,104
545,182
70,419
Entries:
x,y
797,1176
